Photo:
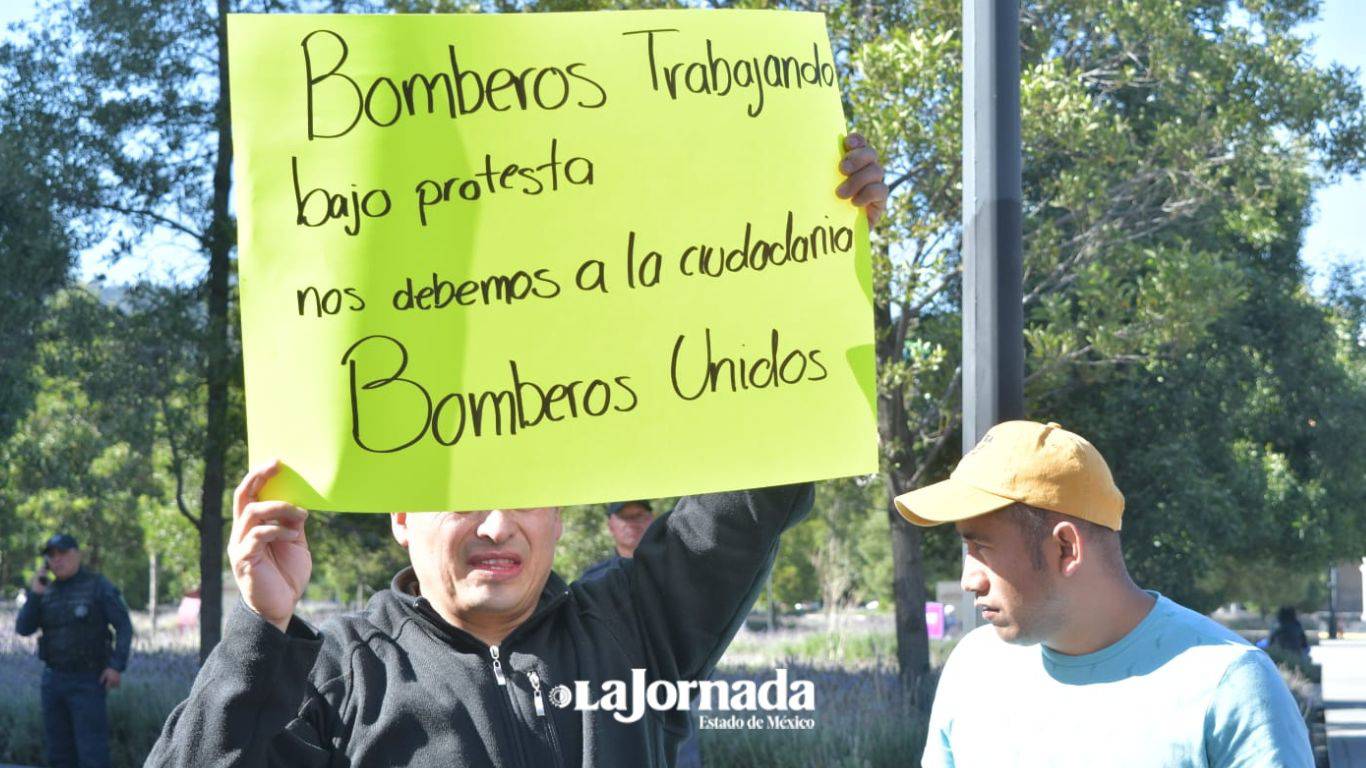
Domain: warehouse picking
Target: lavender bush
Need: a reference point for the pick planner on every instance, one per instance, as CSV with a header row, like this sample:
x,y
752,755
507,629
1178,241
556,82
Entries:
x,y
870,644
158,677
862,719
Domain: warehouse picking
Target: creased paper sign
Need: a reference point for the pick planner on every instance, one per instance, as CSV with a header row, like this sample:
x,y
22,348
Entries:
x,y
541,259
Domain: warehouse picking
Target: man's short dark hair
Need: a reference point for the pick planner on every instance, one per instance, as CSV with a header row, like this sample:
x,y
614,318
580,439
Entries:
x,y
1037,525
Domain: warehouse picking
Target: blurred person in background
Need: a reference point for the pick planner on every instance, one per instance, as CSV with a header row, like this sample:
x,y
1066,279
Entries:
x,y
1288,634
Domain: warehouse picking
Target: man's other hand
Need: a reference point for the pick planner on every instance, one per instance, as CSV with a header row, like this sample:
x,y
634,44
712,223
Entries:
x,y
110,678
864,186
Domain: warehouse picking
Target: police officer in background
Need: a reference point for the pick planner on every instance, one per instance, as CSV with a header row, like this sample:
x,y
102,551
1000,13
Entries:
x,y
75,612
627,522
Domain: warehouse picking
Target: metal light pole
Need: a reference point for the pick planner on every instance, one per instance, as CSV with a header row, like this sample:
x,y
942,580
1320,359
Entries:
x,y
993,312
1332,602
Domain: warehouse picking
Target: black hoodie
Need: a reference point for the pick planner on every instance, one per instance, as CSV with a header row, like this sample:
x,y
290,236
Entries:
x,y
397,685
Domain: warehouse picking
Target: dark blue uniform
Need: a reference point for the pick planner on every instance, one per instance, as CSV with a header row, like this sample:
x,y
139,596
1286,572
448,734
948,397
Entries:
x,y
596,570
76,644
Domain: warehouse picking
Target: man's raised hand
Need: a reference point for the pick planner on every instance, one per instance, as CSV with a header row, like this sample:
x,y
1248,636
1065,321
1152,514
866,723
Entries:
x,y
268,549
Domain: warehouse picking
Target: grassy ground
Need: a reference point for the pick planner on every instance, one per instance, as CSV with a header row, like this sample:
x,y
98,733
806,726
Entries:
x,y
858,640
858,721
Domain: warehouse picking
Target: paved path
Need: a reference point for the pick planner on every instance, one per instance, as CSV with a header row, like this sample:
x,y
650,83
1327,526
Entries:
x,y
1344,700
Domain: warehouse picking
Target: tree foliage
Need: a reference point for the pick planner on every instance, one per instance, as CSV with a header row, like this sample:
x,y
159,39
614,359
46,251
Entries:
x,y
90,455
35,257
133,99
1169,148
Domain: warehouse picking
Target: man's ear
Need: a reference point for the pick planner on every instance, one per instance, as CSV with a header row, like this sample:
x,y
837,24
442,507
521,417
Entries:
x,y
398,525
1071,550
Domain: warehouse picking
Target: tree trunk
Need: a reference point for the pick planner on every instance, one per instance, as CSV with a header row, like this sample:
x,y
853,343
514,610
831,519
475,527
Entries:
x,y
908,574
152,590
908,585
220,241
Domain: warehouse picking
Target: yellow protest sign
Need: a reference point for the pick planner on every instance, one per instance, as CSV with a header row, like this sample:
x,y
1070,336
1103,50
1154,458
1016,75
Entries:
x,y
541,259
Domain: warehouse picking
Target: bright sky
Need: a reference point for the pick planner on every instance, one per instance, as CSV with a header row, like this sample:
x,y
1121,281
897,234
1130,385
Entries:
x,y
1337,234
11,10
1339,229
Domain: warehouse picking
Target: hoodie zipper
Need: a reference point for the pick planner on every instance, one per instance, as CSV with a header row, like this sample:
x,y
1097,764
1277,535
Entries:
x,y
536,698
498,667
549,721
535,679
536,693
509,706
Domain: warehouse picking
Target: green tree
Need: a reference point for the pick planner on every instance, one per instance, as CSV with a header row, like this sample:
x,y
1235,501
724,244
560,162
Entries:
x,y
134,97
1152,132
353,555
64,472
794,579
35,258
586,539
91,455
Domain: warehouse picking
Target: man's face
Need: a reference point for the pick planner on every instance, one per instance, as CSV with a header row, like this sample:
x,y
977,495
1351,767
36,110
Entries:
x,y
1018,598
627,525
63,562
481,567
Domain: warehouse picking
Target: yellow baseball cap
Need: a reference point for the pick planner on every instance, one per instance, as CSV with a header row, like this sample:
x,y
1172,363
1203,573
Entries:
x,y
1042,465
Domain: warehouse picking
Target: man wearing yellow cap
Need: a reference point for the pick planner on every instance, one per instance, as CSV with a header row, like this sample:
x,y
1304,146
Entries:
x,y
1081,667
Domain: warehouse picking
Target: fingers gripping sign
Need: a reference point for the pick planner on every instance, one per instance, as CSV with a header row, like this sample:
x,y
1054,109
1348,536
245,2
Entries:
x,y
864,187
268,549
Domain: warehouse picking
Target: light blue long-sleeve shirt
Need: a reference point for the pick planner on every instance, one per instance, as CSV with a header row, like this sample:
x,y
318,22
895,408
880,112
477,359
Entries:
x,y
1179,690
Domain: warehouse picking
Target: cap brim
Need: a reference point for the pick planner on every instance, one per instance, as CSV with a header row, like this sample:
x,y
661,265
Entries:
x,y
947,502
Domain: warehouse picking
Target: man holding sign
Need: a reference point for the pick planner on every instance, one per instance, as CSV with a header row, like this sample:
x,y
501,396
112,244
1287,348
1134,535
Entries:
x,y
476,653
480,257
